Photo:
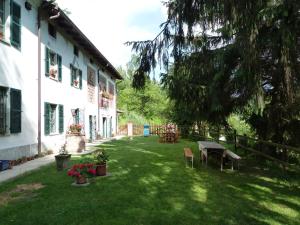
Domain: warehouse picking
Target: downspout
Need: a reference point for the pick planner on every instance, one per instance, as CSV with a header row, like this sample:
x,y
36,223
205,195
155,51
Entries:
x,y
98,102
39,85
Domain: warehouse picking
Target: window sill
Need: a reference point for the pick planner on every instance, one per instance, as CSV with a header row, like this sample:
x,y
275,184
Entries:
x,y
5,42
54,134
54,78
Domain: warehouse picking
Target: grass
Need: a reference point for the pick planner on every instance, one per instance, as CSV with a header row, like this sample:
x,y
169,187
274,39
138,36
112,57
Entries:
x,y
151,185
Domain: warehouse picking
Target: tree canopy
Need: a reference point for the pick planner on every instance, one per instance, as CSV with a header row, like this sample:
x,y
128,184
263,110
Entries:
x,y
228,56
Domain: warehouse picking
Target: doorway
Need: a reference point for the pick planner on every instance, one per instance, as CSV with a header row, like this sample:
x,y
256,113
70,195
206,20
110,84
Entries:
x,y
92,123
104,127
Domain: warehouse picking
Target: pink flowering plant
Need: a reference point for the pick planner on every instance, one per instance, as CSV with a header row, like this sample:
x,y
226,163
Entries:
x,y
75,128
83,169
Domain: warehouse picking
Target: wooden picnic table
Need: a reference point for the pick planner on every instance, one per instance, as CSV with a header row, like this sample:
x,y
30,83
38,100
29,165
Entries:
x,y
207,148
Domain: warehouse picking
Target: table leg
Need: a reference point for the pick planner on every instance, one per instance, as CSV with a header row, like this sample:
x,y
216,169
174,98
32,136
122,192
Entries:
x,y
221,162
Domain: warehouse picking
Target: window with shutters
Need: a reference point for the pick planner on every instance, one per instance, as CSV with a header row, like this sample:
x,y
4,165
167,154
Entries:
x,y
15,25
75,50
53,65
15,111
111,88
2,19
51,30
3,110
76,116
54,119
102,83
76,77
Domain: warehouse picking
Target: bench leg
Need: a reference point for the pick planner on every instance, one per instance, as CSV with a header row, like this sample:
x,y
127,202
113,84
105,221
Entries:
x,y
231,164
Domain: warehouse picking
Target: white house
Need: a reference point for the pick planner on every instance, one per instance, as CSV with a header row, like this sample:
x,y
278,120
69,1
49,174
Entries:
x,y
51,77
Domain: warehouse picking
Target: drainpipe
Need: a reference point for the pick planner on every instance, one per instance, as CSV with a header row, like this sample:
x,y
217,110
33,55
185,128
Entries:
x,y
39,85
98,101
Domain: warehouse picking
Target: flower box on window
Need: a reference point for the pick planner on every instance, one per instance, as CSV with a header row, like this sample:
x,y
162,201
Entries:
x,y
76,83
105,94
53,72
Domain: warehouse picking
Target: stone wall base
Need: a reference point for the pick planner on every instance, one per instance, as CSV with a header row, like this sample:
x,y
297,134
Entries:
x,y
75,143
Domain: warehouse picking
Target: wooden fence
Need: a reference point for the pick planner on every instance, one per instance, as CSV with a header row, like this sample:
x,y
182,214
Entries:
x,y
254,146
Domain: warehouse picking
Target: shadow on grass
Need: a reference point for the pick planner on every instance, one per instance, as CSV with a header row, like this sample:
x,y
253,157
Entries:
x,y
151,185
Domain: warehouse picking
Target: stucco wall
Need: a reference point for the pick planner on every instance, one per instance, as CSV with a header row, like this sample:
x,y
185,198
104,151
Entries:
x,y
19,69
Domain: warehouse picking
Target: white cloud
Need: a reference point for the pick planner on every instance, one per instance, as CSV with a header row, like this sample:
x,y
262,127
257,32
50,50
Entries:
x,y
107,23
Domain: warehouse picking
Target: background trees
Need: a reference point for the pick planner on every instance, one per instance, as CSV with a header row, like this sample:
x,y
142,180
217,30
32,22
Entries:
x,y
147,105
230,56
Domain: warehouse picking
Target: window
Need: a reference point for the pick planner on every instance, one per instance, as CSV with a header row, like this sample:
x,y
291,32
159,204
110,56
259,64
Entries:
x,y
76,116
51,30
111,88
3,102
102,83
54,119
15,111
52,116
53,65
15,25
76,51
76,77
2,19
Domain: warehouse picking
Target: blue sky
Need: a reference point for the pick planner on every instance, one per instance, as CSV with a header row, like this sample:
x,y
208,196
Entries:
x,y
109,24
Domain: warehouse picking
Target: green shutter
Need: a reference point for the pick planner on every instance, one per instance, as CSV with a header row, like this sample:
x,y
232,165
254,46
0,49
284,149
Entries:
x,y
47,118
15,25
47,61
15,111
59,62
72,75
80,79
61,118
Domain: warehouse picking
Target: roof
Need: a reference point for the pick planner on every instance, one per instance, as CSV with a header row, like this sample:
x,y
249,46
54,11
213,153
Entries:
x,y
67,25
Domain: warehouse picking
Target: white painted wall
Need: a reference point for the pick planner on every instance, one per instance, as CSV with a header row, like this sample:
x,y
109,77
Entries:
x,y
18,69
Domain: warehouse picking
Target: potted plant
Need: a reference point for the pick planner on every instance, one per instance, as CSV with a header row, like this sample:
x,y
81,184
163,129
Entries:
x,y
62,159
81,172
76,83
53,72
101,157
75,128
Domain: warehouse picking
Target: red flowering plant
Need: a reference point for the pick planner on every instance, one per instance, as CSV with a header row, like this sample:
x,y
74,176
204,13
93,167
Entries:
x,y
83,169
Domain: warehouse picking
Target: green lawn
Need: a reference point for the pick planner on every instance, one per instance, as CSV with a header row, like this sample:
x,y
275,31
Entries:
x,y
151,185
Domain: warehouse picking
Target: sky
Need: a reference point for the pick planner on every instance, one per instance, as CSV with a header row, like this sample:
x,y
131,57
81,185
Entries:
x,y
110,23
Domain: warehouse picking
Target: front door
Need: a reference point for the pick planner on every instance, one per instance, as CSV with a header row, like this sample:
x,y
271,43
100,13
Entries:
x,y
92,123
110,127
104,126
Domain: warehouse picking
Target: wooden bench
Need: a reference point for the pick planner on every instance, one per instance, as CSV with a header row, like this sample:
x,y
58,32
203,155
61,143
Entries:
x,y
233,158
188,155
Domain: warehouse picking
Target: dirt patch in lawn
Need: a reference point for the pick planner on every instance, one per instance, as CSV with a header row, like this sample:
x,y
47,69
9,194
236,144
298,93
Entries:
x,y
22,191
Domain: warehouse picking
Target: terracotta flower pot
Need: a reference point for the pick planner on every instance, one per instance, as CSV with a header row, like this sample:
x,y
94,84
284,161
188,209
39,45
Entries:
x,y
101,170
81,180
